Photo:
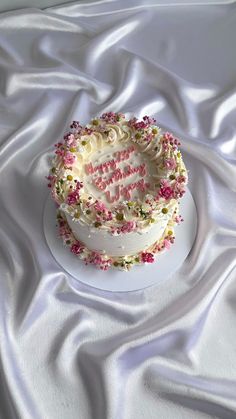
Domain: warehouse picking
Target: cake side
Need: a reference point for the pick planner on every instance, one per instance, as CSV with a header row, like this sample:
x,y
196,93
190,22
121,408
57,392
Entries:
x,y
104,242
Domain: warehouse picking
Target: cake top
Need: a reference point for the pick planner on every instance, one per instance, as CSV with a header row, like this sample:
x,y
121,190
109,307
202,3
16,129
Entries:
x,y
117,174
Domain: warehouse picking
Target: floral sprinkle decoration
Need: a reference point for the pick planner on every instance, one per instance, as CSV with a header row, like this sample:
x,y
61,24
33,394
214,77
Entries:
x,y
69,159
170,163
166,190
74,196
77,248
147,257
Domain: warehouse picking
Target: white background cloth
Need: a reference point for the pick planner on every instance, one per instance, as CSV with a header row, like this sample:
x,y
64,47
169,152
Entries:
x,y
70,351
5,5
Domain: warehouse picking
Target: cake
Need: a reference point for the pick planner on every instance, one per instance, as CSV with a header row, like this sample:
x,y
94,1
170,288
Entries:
x,y
117,183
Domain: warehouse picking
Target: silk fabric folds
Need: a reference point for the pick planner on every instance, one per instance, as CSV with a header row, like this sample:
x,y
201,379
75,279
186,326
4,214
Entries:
x,y
72,352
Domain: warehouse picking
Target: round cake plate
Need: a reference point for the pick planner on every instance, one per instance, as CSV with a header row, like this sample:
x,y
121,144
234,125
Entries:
x,y
139,277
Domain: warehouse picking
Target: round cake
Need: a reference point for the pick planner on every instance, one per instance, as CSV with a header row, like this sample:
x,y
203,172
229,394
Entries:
x,y
117,184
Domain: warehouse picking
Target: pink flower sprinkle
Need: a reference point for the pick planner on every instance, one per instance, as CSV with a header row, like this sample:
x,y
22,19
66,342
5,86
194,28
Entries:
x,y
147,257
164,183
128,227
166,192
111,117
69,159
178,190
140,125
87,131
170,163
64,231
77,248
70,139
60,152
58,145
148,120
167,244
149,137
168,136
145,123
76,125
79,185
108,216
96,259
72,197
99,206
178,219
181,179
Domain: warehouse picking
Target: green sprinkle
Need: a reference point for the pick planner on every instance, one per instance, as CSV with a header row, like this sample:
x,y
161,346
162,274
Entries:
x,y
172,177
83,142
67,241
116,263
53,169
88,212
155,131
95,122
138,135
119,216
164,210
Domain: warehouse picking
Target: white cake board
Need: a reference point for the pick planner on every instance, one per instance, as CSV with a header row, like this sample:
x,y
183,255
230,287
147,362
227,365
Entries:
x,y
140,276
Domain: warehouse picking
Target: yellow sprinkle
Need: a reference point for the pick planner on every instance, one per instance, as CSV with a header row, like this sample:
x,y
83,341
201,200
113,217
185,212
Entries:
x,y
95,122
164,210
73,150
170,233
77,215
83,142
155,131
178,154
69,177
138,135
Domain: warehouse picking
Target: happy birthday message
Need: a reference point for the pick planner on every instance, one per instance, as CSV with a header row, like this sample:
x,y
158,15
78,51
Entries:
x,y
117,174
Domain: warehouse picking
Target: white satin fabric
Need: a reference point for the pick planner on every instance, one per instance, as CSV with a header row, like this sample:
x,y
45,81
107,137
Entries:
x,y
72,352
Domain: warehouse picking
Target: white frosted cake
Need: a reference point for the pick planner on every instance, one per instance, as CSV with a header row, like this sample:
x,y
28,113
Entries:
x,y
117,183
